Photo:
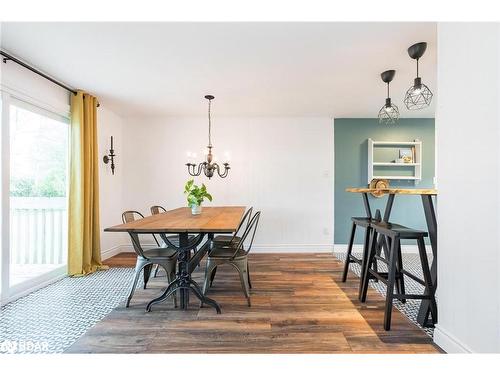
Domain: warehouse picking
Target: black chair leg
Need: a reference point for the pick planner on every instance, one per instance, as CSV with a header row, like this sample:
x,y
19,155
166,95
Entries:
x,y
147,273
368,265
390,283
248,274
349,251
427,277
366,254
212,276
400,281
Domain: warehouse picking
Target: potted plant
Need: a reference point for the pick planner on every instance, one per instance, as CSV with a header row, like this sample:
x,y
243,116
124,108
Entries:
x,y
195,196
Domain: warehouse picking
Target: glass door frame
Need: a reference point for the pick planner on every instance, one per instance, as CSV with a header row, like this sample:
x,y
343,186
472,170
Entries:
x,y
10,293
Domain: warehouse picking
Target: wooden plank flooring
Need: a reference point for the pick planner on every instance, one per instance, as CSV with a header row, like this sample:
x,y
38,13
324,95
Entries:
x,y
298,306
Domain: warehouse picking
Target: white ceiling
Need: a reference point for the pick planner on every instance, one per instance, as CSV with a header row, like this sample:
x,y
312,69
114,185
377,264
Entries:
x,y
255,69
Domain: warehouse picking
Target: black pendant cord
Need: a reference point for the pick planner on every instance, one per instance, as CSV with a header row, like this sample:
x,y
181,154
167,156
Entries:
x,y
388,90
417,68
209,124
7,57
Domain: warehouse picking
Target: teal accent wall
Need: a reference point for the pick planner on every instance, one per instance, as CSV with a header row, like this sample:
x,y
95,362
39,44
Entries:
x,y
351,162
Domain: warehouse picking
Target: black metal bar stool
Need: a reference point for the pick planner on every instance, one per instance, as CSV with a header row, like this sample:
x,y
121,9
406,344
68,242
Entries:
x,y
393,233
364,222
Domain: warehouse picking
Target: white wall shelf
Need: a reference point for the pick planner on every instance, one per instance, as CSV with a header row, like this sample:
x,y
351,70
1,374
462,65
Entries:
x,y
384,166
396,164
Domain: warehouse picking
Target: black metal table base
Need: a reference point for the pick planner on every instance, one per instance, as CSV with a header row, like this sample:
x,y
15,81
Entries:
x,y
178,284
183,282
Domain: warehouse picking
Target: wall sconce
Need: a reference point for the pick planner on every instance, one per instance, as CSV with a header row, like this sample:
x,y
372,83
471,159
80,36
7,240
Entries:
x,y
111,157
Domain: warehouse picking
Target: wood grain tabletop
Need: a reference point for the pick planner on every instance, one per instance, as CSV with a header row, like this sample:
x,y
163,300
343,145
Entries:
x,y
402,191
223,219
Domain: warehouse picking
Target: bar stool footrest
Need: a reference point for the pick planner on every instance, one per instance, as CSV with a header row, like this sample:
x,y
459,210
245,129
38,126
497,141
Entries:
x,y
353,259
411,296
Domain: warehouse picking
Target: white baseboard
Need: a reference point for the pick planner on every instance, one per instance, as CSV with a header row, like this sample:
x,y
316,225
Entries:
x,y
293,248
257,248
115,250
358,248
448,342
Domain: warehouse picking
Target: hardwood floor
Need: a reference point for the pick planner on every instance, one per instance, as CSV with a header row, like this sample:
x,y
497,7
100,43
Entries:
x,y
298,306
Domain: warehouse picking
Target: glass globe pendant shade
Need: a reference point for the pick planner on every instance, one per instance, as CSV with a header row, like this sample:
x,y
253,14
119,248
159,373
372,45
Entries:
x,y
418,96
389,113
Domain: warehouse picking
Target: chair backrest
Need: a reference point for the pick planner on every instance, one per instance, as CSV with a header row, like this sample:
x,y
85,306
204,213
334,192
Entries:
x,y
246,218
129,216
250,230
155,210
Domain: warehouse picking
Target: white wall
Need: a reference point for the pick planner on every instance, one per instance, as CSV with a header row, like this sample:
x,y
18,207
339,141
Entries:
x,y
281,166
467,125
34,88
110,186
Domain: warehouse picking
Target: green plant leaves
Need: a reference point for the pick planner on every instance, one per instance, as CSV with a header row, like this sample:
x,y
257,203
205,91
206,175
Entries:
x,y
195,194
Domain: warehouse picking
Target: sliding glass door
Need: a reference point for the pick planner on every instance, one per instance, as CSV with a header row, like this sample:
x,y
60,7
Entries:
x,y
37,197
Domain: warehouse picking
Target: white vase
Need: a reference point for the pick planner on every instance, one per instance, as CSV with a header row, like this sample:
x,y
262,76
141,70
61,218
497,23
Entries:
x,y
195,209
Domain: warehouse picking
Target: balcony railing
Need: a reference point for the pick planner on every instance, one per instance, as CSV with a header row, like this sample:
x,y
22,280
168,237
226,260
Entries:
x,y
38,231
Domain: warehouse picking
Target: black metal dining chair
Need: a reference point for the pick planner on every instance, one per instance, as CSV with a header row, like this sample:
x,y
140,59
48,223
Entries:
x,y
166,239
227,239
165,257
233,253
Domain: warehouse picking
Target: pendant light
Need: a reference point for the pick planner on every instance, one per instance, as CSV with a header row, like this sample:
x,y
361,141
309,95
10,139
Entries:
x,y
419,95
208,167
389,113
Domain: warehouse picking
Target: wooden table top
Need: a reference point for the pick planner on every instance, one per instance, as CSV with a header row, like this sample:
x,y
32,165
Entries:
x,y
211,220
402,191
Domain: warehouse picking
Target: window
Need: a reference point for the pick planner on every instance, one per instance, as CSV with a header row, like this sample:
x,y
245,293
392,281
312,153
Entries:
x,y
38,193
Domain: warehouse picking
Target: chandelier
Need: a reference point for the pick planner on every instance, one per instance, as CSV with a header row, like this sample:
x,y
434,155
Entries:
x,y
419,95
207,167
389,113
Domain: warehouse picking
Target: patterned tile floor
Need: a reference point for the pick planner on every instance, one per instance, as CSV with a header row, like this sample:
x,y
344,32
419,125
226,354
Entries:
x,y
411,263
53,318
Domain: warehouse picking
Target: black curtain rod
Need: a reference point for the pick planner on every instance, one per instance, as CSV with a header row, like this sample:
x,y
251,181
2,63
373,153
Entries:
x,y
7,57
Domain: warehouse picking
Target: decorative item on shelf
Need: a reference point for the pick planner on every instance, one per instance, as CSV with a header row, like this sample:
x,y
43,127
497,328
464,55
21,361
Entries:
x,y
378,184
406,155
389,113
110,157
419,95
195,196
208,167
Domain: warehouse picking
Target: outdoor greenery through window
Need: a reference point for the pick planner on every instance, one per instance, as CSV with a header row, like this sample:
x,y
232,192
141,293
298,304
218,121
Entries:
x,y
39,153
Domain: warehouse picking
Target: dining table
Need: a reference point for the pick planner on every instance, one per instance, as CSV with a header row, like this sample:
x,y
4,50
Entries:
x,y
424,316
191,231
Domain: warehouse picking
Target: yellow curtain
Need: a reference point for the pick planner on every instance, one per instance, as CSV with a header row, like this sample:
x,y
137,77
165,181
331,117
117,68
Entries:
x,y
84,246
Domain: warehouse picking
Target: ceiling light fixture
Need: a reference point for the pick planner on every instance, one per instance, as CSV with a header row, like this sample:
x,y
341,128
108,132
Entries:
x,y
419,95
207,166
389,113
